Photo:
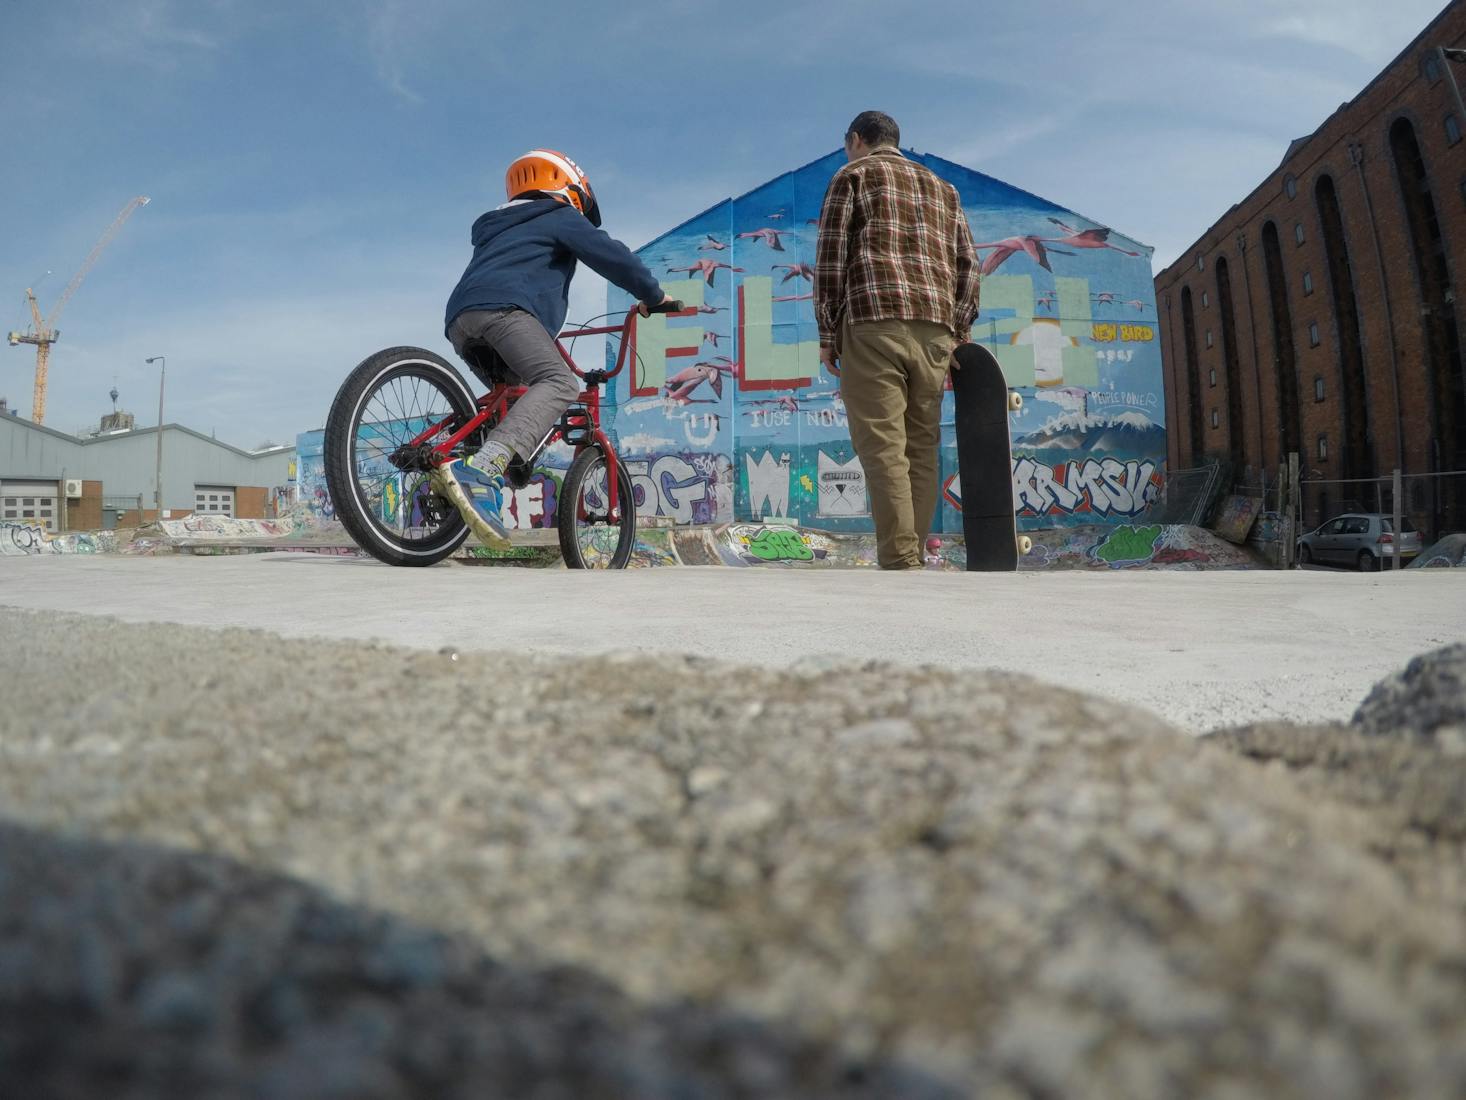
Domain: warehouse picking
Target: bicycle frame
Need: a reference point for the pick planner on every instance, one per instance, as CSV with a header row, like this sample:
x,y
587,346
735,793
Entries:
x,y
580,426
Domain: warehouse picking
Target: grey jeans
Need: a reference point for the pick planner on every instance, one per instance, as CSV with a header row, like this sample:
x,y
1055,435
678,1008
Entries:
x,y
532,357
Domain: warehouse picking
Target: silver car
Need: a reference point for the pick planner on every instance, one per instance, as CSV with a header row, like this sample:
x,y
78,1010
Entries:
x,y
1360,539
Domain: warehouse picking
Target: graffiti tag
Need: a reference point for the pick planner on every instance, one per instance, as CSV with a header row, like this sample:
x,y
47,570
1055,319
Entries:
x,y
778,544
1103,487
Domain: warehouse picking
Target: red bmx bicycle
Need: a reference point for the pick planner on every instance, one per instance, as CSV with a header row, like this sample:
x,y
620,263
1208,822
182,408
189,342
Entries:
x,y
404,410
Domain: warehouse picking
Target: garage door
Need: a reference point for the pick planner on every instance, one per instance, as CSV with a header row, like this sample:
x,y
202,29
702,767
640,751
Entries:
x,y
213,500
30,502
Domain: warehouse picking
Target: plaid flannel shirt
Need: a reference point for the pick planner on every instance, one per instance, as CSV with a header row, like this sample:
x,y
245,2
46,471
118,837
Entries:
x,y
894,245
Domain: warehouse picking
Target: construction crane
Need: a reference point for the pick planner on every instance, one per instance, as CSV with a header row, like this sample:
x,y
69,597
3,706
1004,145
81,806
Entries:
x,y
44,332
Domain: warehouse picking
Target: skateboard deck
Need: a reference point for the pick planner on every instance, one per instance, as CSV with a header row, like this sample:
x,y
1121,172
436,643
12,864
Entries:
x,y
982,403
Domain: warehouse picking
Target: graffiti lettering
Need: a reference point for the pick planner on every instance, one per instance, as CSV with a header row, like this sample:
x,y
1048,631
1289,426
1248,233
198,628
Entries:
x,y
524,508
826,418
779,544
1104,487
20,538
1125,397
769,418
27,539
1128,544
1137,334
672,486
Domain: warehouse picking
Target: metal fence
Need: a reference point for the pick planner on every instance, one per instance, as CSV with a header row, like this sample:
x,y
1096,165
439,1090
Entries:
x,y
1434,503
1189,495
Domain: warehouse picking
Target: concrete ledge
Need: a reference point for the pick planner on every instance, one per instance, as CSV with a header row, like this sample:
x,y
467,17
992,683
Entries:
x,y
770,544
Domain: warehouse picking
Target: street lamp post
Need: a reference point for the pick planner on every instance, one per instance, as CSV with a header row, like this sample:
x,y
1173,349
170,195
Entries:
x,y
158,487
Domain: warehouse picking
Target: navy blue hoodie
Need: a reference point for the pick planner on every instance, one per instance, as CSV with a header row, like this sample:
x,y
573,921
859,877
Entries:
x,y
524,255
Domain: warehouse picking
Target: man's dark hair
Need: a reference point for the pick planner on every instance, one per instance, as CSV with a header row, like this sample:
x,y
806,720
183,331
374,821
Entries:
x,y
875,128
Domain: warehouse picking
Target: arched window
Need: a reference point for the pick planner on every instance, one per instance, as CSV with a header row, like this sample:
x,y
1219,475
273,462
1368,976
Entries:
x,y
1357,436
1284,357
1436,305
1193,377
1230,363
1290,186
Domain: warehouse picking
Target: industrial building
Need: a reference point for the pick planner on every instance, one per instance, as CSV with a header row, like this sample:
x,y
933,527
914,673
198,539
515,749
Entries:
x,y
68,483
1318,316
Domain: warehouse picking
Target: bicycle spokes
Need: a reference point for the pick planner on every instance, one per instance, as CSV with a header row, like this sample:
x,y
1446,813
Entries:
x,y
396,490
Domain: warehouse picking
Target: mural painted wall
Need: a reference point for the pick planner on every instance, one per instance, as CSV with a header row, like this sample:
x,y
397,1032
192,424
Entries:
x,y
729,415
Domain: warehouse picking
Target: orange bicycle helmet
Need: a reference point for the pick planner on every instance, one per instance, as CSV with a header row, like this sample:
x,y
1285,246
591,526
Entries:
x,y
555,175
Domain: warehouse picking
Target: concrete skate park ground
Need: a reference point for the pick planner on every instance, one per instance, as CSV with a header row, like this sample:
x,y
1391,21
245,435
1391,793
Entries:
x,y
1202,649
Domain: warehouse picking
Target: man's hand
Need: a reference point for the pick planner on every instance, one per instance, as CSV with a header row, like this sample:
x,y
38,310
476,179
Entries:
x,y
827,357
646,310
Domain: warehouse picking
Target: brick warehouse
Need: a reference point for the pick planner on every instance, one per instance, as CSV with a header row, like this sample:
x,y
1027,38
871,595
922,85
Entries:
x,y
1318,315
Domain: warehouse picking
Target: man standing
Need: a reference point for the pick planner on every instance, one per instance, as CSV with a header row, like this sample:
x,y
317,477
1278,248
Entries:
x,y
895,290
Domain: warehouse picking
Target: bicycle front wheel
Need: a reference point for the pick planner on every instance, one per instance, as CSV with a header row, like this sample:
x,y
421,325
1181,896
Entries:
x,y
390,399
590,536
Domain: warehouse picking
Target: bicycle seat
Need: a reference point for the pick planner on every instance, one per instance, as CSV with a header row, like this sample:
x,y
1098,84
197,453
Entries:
x,y
486,363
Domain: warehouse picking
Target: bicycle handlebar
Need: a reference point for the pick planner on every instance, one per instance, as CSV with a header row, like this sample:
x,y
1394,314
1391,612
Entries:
x,y
624,328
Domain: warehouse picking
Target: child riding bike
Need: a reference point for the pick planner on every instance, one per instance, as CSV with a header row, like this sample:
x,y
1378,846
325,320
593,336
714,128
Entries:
x,y
512,298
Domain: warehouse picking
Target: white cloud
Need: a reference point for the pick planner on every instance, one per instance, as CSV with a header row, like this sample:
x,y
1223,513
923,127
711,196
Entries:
x,y
388,42
157,34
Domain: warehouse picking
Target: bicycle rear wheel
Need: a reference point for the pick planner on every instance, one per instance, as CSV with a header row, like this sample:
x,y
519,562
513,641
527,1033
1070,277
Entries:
x,y
387,401
590,537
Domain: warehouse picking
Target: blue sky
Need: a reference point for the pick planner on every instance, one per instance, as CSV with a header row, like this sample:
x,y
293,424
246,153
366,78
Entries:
x,y
315,165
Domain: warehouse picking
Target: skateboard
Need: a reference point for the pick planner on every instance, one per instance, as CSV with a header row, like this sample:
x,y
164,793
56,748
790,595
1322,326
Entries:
x,y
982,402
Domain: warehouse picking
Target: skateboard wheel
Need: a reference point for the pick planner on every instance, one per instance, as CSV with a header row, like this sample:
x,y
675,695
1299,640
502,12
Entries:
x,y
1015,402
1025,544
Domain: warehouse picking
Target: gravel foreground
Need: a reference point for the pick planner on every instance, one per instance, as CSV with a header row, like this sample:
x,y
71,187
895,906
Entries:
x,y
233,865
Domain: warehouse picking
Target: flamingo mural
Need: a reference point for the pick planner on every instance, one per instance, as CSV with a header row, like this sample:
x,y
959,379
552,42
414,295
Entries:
x,y
1098,237
680,386
1031,245
712,244
796,271
771,237
708,269
787,402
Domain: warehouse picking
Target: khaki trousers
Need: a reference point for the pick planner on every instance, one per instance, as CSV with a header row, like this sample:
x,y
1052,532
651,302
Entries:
x,y
892,374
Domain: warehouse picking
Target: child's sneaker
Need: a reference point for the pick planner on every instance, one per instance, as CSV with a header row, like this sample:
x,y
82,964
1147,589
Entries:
x,y
478,496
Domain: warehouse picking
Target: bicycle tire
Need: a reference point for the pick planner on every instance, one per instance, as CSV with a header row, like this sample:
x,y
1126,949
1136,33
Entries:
x,y
349,494
582,469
